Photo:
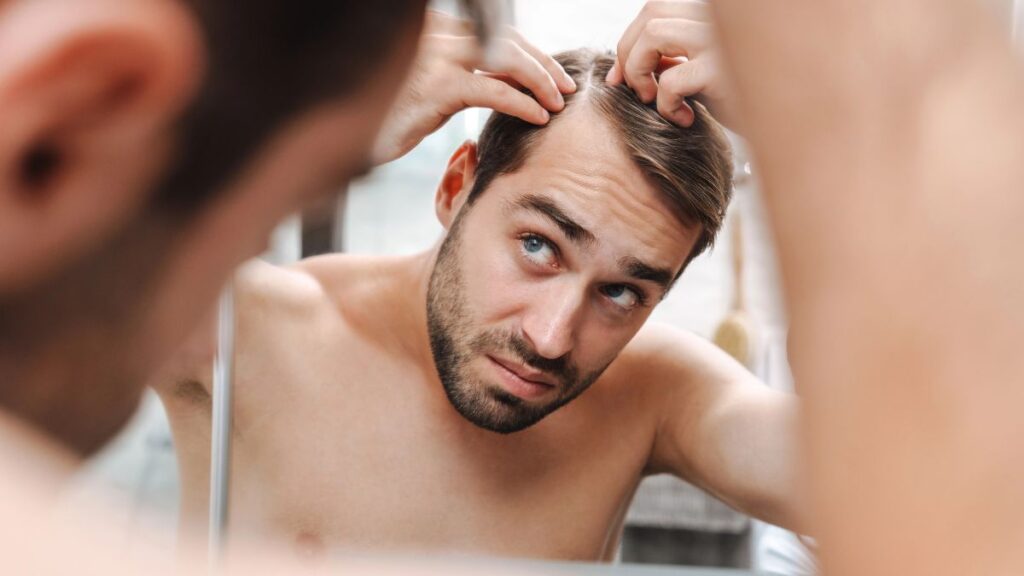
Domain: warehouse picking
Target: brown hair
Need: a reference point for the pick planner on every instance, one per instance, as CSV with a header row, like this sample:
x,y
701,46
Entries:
x,y
691,166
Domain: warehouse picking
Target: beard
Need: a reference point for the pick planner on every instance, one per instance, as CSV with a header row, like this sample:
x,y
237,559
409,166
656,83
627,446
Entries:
x,y
455,342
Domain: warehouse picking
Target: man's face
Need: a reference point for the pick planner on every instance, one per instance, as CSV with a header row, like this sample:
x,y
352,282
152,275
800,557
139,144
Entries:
x,y
544,279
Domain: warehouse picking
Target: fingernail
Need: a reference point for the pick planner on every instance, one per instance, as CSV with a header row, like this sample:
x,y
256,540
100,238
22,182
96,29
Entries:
x,y
570,82
682,118
545,116
611,74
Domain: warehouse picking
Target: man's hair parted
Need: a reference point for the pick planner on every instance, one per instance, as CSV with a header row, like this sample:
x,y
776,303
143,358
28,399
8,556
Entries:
x,y
692,166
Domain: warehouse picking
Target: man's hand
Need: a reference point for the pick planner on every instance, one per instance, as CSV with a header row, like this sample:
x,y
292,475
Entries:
x,y
669,53
448,76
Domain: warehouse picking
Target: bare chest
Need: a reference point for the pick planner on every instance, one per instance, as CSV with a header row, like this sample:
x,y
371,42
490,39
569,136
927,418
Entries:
x,y
358,450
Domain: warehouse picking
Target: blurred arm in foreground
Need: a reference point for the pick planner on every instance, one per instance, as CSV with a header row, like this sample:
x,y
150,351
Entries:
x,y
890,139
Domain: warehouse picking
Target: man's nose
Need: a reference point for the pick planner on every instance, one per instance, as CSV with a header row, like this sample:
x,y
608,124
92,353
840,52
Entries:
x,y
551,324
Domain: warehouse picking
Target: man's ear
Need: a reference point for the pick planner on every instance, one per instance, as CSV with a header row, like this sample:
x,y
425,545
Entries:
x,y
456,184
88,96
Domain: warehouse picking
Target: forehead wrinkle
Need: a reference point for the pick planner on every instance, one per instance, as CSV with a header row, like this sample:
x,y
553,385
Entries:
x,y
608,202
584,151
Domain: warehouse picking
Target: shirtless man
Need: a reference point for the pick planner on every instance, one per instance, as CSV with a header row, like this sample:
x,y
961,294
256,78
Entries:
x,y
499,393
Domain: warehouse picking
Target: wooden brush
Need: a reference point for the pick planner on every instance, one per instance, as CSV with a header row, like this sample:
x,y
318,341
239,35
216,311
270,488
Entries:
x,y
735,335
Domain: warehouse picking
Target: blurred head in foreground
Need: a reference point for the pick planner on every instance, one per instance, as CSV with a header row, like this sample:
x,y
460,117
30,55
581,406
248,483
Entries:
x,y
146,148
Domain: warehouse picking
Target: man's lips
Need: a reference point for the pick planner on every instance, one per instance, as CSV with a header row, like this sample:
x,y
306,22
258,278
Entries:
x,y
528,386
528,374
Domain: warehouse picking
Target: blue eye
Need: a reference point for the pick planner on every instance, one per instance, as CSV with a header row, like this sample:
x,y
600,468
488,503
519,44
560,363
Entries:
x,y
533,244
623,296
538,250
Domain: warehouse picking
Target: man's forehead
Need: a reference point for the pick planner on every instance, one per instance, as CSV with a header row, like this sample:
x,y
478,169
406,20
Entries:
x,y
631,252
583,139
580,164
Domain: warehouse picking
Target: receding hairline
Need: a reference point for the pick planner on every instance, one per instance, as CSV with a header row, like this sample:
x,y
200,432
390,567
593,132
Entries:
x,y
598,101
691,168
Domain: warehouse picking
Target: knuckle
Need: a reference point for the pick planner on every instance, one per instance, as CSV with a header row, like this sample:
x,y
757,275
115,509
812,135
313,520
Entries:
x,y
477,86
683,28
672,79
668,101
509,54
549,62
661,30
654,27
663,107
515,35
698,31
699,9
655,7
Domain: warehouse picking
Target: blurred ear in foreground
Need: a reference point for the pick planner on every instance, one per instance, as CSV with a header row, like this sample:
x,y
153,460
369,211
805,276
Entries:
x,y
87,97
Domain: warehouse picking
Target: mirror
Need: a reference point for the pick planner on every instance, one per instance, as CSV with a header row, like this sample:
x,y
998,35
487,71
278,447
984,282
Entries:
x,y
342,440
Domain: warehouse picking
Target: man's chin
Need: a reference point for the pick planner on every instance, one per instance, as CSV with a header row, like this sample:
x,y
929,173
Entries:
x,y
500,412
498,425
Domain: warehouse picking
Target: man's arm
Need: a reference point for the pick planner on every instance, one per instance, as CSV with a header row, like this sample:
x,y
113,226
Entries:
x,y
890,138
721,429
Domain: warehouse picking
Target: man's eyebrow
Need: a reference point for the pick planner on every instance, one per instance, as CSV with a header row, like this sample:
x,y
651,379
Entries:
x,y
546,206
636,268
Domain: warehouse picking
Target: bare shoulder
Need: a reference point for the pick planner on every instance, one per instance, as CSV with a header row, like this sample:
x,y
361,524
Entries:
x,y
342,274
705,404
323,287
362,290
265,290
351,274
664,356
280,309
310,298
675,372
269,300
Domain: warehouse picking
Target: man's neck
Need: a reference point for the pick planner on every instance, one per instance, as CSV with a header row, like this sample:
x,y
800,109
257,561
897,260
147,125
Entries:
x,y
403,305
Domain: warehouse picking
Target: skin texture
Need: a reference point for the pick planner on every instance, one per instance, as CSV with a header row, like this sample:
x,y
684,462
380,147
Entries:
x,y
345,437
897,202
898,231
